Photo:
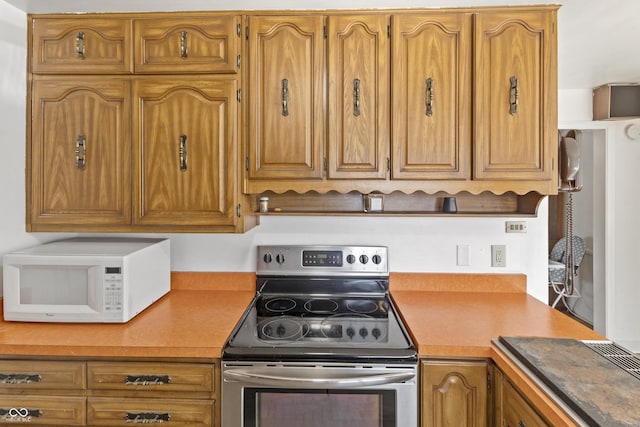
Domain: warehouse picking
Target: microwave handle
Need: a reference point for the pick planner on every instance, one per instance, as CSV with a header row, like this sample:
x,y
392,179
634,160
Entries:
x,y
291,380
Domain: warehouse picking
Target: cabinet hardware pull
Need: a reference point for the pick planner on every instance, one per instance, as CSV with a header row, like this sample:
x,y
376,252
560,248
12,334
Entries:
x,y
356,97
147,417
513,96
80,45
182,152
81,152
147,379
285,97
19,414
20,378
183,45
428,96
521,424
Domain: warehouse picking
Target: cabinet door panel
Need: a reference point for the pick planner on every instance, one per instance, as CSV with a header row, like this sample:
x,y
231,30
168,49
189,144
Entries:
x,y
208,44
81,45
358,124
286,116
454,393
516,125
76,119
184,151
431,86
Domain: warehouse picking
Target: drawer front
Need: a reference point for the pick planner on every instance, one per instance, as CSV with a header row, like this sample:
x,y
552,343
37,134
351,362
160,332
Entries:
x,y
42,410
81,45
34,375
206,44
176,377
174,412
518,412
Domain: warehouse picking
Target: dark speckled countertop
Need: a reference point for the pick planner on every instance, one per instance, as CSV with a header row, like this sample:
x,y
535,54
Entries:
x,y
600,392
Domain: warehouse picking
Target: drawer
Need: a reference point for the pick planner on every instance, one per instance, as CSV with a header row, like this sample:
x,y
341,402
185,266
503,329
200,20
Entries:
x,y
189,44
124,412
34,375
81,45
42,410
143,376
518,412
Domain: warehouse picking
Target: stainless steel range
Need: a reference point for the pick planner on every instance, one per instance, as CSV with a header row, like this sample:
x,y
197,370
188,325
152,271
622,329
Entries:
x,y
321,345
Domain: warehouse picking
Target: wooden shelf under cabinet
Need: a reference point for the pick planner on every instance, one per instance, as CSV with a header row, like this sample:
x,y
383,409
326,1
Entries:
x,y
399,204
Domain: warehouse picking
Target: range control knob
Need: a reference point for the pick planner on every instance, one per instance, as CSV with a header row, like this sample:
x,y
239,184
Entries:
x,y
351,259
267,258
376,333
363,332
364,259
377,259
350,332
280,258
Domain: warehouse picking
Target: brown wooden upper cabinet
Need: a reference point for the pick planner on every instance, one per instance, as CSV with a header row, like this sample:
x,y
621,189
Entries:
x,y
431,91
185,138
190,44
358,96
455,100
286,109
81,45
515,98
80,152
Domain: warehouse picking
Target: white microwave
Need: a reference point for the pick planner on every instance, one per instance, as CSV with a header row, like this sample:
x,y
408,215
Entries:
x,y
92,280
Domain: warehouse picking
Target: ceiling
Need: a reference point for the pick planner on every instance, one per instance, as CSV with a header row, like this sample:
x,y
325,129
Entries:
x,y
597,40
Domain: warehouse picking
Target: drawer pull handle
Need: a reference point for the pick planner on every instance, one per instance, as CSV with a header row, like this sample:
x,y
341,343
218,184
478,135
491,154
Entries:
x,y
356,97
20,378
81,152
80,45
147,417
513,95
428,95
147,379
19,414
184,47
521,424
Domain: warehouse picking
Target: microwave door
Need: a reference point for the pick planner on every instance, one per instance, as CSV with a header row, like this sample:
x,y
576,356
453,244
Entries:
x,y
58,293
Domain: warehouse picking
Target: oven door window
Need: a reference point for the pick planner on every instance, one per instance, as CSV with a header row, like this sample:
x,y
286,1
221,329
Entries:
x,y
319,408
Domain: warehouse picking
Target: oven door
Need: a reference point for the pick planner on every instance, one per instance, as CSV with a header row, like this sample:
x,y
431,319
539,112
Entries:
x,y
319,395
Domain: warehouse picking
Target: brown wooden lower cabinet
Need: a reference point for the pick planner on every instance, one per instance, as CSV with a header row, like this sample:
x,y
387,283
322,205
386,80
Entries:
x,y
42,410
510,407
124,412
109,393
454,392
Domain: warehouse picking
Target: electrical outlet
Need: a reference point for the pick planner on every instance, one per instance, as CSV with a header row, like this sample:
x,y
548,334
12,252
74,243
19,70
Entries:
x,y
515,226
498,255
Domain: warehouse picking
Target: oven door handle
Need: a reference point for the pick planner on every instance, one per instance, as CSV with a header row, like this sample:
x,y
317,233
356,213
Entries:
x,y
291,380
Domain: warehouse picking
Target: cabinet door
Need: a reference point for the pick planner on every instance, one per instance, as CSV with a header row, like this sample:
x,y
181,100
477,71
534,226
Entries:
x,y
286,117
184,151
206,44
515,95
80,152
358,126
81,45
517,412
454,393
431,86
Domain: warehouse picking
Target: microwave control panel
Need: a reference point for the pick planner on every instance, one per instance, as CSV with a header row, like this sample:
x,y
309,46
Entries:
x,y
112,289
